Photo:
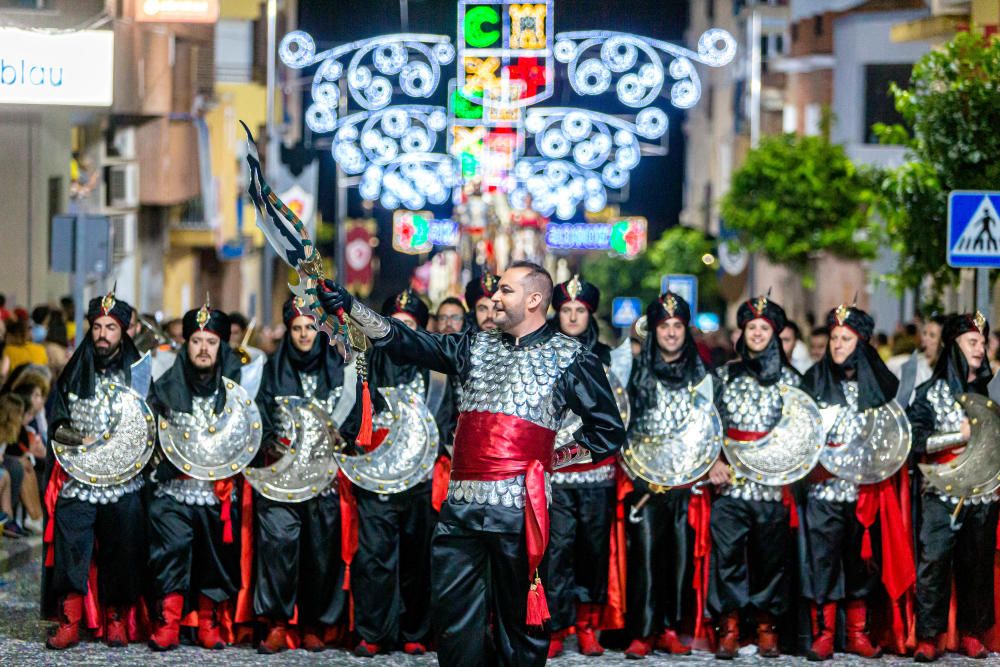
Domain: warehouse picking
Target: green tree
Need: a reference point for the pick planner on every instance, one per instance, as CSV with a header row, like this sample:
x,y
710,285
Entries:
x,y
678,250
952,107
796,196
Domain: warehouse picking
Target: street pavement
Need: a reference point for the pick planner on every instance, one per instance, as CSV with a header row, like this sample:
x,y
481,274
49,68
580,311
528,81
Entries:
x,y
22,637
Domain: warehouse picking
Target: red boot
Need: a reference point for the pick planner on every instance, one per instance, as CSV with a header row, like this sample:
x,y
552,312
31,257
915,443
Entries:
x,y
556,643
366,650
312,640
857,641
115,633
208,624
767,637
68,633
926,651
414,648
669,642
972,647
824,622
168,627
729,637
639,649
277,638
586,633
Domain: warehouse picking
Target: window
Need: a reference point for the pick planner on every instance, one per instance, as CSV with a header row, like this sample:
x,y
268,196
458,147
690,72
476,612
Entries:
x,y
25,4
795,32
880,106
818,25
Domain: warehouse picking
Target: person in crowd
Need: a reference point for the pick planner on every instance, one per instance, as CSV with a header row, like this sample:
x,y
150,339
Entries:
x,y
56,343
20,349
451,315
4,313
795,349
175,330
479,299
4,359
818,339
11,416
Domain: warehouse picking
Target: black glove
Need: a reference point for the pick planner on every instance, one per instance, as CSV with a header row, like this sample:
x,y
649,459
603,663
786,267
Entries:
x,y
333,296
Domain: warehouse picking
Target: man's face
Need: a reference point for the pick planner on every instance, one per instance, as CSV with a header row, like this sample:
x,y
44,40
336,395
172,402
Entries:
x,y
449,318
303,333
973,346
513,299
787,337
133,325
176,332
758,334
843,342
407,319
573,318
106,334
203,349
930,339
236,333
486,311
817,346
670,336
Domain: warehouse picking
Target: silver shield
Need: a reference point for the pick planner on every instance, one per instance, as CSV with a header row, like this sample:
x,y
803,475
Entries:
x,y
878,451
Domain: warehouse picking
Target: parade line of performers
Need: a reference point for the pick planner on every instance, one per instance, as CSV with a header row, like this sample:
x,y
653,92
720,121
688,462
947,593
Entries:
x,y
489,492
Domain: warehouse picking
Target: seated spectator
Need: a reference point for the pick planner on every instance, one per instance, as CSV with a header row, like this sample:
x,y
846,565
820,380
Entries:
x,y
4,361
56,344
31,385
19,349
11,416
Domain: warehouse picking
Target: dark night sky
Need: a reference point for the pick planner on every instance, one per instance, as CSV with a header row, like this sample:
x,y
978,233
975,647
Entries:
x,y
656,185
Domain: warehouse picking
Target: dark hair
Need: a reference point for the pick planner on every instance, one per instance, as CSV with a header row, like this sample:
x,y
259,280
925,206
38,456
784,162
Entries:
x,y
795,329
17,329
938,319
881,338
910,329
3,299
40,313
57,329
452,301
239,319
819,331
539,278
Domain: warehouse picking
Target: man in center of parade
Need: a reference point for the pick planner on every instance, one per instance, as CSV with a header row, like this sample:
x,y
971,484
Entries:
x,y
583,500
750,521
852,378
519,382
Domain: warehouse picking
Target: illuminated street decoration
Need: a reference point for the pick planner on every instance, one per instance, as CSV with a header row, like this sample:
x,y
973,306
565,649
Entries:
x,y
493,133
625,237
416,232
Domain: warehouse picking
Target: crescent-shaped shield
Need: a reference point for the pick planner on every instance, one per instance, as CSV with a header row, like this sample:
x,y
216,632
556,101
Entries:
x,y
976,470
679,454
406,454
791,449
573,423
120,440
878,451
221,449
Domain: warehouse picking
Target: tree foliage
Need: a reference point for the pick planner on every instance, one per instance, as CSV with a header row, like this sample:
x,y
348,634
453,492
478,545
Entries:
x,y
678,250
796,196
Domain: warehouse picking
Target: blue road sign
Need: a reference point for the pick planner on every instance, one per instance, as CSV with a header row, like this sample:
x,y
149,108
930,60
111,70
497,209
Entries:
x,y
625,310
684,286
973,229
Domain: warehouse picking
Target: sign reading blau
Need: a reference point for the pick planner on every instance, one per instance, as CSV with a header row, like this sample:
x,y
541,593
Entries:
x,y
75,69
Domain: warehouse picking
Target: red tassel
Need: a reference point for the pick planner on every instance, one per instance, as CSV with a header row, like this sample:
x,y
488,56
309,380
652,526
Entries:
x,y
538,607
50,556
365,434
866,545
347,578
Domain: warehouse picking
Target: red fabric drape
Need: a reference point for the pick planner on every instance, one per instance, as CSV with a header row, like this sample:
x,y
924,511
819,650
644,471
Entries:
x,y
612,615
55,485
439,482
699,515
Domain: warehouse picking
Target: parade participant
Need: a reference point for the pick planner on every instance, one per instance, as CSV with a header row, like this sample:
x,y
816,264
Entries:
x,y
493,529
81,515
660,545
298,564
583,499
193,554
479,299
850,375
750,521
451,316
955,541
390,574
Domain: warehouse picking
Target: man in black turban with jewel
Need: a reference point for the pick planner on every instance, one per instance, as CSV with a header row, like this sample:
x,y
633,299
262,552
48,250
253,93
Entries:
x,y
479,300
957,535
82,516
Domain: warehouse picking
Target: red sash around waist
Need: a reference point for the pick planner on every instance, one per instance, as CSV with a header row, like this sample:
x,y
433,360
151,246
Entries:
x,y
745,436
786,495
492,447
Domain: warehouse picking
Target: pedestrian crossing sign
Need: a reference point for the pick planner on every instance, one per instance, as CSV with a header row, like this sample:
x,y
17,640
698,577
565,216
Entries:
x,y
625,310
973,230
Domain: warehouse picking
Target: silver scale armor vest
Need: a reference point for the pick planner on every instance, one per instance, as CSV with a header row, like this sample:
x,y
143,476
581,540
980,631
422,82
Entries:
x,y
310,384
513,381
194,491
747,405
848,426
90,416
948,416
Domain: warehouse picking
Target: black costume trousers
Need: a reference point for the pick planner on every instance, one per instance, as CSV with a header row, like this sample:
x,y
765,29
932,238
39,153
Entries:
x,y
113,535
659,561
836,569
187,551
579,545
750,546
298,561
966,553
390,573
480,589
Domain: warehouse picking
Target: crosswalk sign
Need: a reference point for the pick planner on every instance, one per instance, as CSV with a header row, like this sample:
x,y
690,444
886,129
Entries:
x,y
625,310
973,229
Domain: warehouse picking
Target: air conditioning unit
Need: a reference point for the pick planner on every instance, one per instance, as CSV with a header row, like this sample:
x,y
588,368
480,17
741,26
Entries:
x,y
123,235
949,7
119,145
121,186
